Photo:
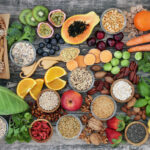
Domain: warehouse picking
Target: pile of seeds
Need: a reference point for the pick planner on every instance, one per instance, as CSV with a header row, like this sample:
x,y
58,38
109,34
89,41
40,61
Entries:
x,y
130,28
23,53
48,100
81,79
3,128
69,127
113,21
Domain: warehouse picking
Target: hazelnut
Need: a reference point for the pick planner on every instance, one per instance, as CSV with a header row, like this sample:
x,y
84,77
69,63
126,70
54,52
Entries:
x,y
143,116
95,138
136,109
137,117
129,113
124,109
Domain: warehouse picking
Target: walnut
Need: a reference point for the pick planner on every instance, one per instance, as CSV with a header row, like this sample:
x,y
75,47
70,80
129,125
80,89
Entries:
x,y
82,135
104,139
87,130
95,139
95,124
84,119
87,139
85,108
88,100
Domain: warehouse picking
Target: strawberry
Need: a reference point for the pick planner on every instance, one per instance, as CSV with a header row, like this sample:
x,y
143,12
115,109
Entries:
x,y
114,137
116,123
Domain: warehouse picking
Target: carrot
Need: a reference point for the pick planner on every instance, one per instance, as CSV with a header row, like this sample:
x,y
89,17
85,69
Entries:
x,y
105,56
80,60
89,59
139,40
96,52
140,48
71,65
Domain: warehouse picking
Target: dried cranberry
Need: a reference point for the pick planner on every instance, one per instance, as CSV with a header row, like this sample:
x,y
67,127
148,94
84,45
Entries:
x,y
101,45
110,42
119,46
91,41
118,37
96,83
100,34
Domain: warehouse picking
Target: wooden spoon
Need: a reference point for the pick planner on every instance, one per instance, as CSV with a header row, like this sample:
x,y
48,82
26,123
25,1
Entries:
x,y
47,62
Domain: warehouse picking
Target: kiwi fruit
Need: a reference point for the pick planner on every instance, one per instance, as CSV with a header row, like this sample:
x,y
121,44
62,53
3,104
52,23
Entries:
x,y
31,20
23,14
40,13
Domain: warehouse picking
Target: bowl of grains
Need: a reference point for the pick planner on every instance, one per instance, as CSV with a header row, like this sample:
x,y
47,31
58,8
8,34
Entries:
x,y
136,133
22,53
113,21
69,127
122,90
3,127
81,79
103,107
48,101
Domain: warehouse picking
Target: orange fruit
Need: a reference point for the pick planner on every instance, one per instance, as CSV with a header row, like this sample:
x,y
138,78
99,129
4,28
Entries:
x,y
54,73
24,86
35,91
56,84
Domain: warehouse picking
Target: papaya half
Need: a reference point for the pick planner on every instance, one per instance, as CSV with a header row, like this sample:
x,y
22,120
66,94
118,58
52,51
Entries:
x,y
78,28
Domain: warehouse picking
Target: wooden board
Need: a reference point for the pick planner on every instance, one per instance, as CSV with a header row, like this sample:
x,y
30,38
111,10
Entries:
x,y
6,73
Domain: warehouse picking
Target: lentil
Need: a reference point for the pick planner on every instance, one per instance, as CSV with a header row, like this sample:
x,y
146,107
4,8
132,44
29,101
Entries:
x,y
48,100
122,90
136,133
69,126
113,21
3,128
23,53
81,79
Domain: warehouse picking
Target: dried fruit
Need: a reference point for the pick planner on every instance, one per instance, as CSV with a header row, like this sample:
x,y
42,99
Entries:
x,y
119,46
137,117
100,34
91,41
105,91
101,45
110,42
118,37
92,91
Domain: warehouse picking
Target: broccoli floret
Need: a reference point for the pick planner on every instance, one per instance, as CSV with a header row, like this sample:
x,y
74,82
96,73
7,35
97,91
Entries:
x,y
29,34
17,25
10,41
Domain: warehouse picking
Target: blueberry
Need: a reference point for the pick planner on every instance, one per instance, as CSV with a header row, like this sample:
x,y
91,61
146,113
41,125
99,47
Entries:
x,y
39,51
54,47
45,54
41,45
57,48
51,52
54,41
61,41
46,40
57,36
48,46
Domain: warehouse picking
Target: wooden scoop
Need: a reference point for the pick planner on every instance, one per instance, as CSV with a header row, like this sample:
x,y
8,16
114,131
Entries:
x,y
2,64
66,54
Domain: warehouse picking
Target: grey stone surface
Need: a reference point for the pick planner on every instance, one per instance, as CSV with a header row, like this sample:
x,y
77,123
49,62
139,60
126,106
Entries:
x,y
70,7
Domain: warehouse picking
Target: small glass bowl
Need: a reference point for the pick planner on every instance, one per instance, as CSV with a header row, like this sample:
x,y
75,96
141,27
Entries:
x,y
12,59
101,24
6,127
84,91
114,112
75,137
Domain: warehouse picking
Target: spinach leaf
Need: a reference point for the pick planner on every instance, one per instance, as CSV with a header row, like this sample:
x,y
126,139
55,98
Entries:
x,y
141,102
148,110
10,103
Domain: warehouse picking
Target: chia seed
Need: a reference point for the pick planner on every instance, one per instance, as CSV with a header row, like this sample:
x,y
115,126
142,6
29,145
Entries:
x,y
136,133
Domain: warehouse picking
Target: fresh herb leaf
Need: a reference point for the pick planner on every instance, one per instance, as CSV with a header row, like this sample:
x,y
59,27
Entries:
x,y
141,102
148,110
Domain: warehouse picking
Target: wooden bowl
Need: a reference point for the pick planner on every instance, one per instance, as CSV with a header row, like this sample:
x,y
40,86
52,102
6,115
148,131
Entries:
x,y
48,111
118,100
49,135
146,136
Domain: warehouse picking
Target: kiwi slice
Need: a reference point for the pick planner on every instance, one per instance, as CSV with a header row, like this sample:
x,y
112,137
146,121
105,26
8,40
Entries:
x,y
30,20
40,13
23,14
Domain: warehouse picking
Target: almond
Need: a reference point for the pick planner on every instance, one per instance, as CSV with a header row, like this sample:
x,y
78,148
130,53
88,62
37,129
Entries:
x,y
105,91
96,68
131,102
109,79
100,74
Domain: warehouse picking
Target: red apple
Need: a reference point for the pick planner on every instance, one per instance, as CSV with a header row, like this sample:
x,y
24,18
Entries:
x,y
71,100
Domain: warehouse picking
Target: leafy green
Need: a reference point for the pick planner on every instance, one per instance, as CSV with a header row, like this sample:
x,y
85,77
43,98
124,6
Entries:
x,y
141,102
19,125
148,110
10,103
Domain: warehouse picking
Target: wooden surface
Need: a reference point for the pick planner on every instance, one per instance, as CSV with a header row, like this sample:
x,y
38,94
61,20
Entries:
x,y
70,7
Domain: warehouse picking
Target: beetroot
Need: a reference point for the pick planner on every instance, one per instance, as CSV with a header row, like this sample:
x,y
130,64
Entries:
x,y
100,34
119,46
118,37
101,45
110,42
91,41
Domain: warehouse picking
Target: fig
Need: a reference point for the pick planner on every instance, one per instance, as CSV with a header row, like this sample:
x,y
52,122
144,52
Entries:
x,y
57,17
45,30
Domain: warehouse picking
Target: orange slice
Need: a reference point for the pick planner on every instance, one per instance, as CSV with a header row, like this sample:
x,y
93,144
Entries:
x,y
54,73
35,91
56,84
24,86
